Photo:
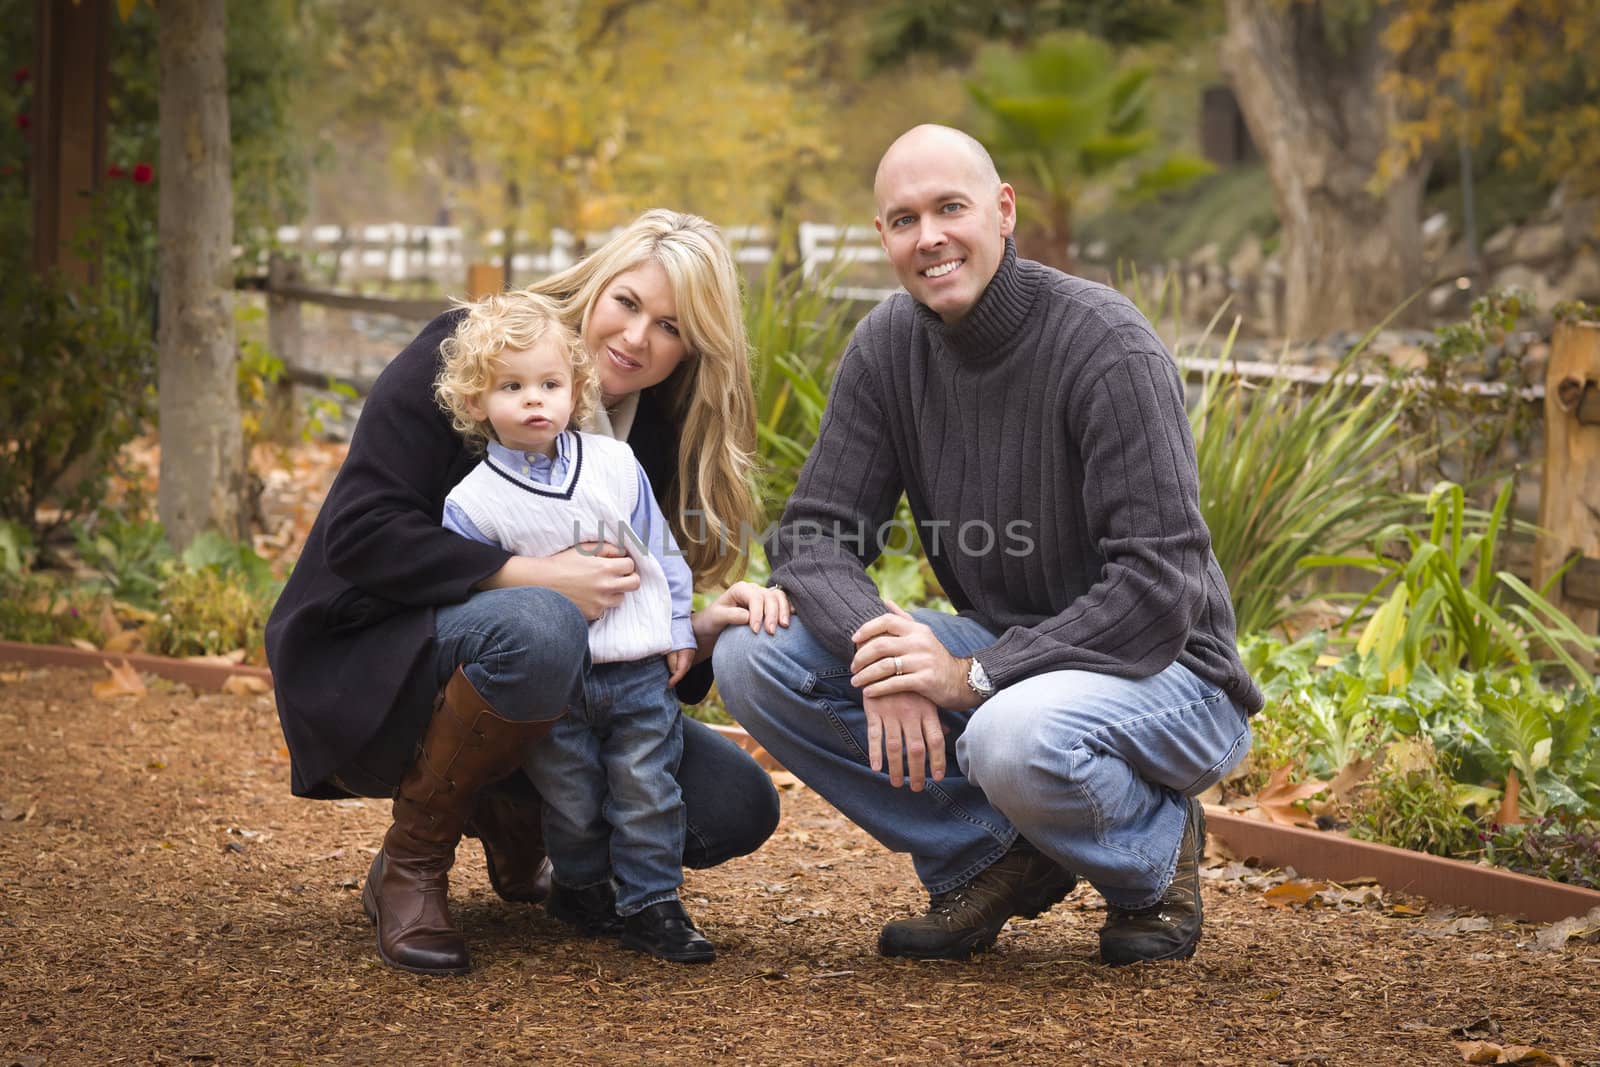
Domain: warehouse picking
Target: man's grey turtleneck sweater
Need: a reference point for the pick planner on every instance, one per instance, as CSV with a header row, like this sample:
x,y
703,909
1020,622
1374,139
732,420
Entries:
x,y
1043,445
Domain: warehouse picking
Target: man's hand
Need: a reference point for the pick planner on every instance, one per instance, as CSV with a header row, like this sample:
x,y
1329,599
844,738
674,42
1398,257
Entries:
x,y
897,654
679,660
905,725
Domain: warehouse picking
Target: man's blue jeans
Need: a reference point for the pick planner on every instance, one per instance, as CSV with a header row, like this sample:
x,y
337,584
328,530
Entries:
x,y
1091,769
611,801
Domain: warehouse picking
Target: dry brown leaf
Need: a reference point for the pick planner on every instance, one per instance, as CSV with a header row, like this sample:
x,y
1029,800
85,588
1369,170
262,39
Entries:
x,y
1295,893
9,677
1479,1051
85,646
1277,801
243,685
109,626
124,682
1350,776
1510,813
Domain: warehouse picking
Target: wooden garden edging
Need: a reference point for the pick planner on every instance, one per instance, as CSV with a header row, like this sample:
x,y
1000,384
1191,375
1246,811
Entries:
x,y
1337,858
206,676
1311,853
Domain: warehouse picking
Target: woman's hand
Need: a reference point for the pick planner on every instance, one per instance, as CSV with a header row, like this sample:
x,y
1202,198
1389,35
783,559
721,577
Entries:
x,y
594,575
741,604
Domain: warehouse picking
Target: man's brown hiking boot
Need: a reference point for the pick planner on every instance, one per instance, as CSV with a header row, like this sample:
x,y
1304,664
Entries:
x,y
1170,928
968,918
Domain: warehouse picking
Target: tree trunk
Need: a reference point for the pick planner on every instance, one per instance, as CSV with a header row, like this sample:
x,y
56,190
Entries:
x,y
202,450
1351,255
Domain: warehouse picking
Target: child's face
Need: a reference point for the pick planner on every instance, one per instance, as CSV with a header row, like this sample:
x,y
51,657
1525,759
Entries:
x,y
529,401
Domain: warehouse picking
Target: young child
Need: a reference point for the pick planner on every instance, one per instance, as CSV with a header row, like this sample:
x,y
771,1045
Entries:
x,y
513,379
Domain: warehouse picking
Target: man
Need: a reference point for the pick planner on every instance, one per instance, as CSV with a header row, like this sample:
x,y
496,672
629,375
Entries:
x,y
1090,686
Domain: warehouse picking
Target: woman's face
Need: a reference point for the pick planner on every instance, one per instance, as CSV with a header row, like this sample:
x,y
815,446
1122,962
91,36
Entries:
x,y
633,331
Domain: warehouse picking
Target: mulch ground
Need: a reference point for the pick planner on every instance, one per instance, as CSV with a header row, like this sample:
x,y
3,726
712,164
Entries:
x,y
163,899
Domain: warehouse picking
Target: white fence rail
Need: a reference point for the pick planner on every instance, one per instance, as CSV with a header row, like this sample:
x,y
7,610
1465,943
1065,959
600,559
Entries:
x,y
395,252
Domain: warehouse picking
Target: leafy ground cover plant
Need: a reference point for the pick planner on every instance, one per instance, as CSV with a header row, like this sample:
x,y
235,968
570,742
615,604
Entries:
x,y
1441,763
1288,471
1441,600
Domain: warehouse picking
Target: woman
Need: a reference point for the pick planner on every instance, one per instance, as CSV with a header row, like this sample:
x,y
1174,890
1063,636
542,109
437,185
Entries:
x,y
412,662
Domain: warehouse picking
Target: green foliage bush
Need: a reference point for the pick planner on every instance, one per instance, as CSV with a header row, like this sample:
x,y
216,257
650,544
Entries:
x,y
74,388
1411,802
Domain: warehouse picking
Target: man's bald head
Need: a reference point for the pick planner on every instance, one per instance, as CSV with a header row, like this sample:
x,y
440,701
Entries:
x,y
929,137
944,216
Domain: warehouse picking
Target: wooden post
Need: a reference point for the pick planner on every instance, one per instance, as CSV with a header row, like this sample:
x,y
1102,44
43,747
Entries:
x,y
1569,493
286,340
484,279
71,75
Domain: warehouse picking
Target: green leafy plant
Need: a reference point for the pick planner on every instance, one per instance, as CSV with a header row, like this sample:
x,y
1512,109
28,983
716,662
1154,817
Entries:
x,y
1063,114
74,388
1441,601
1412,802
1550,848
131,555
216,601
1289,471
797,331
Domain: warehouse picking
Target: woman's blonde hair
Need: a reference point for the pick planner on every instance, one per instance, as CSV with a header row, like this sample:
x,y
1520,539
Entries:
x,y
516,320
709,396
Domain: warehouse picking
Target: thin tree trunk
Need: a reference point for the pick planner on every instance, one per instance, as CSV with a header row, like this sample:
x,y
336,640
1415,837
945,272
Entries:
x,y
202,450
1351,253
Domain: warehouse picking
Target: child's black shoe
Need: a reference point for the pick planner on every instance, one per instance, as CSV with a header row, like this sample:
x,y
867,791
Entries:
x,y
666,932
592,910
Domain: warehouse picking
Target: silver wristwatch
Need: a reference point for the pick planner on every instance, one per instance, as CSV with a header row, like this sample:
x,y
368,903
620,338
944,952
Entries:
x,y
978,680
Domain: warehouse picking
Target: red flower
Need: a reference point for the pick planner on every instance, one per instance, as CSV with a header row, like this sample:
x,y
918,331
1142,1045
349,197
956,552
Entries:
x,y
115,172
143,174
20,76
23,121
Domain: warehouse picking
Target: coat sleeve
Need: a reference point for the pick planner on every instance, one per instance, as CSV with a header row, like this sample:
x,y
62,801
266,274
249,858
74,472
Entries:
x,y
385,508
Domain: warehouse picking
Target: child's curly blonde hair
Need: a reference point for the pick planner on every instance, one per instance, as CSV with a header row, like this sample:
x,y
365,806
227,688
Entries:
x,y
518,320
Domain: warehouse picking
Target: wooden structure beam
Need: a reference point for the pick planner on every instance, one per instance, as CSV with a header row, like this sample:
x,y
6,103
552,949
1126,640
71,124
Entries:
x,y
72,48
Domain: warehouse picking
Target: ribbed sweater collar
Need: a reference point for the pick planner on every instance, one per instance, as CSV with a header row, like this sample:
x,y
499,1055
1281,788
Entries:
x,y
994,323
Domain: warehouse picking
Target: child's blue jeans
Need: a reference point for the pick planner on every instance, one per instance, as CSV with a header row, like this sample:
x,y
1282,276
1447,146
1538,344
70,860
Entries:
x,y
608,775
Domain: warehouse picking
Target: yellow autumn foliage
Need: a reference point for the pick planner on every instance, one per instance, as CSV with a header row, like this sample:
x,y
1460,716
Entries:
x,y
1494,61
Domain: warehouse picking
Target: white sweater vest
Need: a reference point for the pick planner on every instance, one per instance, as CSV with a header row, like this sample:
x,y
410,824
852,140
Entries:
x,y
594,503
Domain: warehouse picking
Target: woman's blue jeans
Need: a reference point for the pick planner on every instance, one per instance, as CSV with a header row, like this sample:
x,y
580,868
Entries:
x,y
526,651
1092,770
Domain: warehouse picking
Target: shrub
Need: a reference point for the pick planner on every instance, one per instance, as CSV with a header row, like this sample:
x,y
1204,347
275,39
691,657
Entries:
x,y
74,388
1412,802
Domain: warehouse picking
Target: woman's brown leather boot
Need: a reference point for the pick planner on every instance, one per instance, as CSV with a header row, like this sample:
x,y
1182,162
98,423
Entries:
x,y
466,747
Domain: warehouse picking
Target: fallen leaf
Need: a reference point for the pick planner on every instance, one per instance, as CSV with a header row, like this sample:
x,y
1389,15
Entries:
x,y
1529,1054
241,685
85,646
1405,911
1579,927
124,681
11,677
1479,1051
109,626
1349,777
1297,893
1278,799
